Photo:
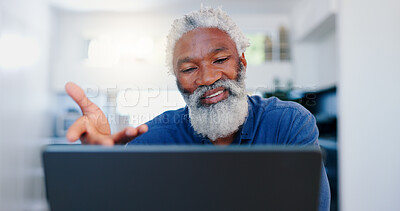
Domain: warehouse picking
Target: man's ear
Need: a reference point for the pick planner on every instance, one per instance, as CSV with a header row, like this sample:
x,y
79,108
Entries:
x,y
243,60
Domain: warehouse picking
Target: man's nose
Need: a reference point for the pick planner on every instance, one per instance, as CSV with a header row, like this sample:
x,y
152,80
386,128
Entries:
x,y
208,76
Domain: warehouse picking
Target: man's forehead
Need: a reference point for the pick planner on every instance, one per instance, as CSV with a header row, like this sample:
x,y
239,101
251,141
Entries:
x,y
213,40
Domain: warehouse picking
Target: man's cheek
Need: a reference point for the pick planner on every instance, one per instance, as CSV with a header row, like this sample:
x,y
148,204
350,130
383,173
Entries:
x,y
185,87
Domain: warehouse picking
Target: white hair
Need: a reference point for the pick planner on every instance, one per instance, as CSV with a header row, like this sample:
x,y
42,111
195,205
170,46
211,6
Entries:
x,y
204,18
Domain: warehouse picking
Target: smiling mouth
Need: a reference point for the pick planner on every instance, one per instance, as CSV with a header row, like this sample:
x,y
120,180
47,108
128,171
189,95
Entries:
x,y
215,96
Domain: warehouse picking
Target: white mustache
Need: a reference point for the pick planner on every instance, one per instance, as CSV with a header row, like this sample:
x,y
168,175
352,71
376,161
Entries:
x,y
230,85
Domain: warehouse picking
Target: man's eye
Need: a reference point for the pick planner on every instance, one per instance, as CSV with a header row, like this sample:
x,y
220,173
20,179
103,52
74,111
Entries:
x,y
221,60
188,69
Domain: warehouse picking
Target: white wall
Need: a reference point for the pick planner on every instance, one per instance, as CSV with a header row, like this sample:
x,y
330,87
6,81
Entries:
x,y
74,28
24,94
369,102
309,15
327,60
315,62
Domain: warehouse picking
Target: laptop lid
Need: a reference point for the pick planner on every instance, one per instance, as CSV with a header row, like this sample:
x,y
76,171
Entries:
x,y
120,178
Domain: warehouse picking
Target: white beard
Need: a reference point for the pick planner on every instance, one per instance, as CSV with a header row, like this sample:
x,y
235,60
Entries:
x,y
223,118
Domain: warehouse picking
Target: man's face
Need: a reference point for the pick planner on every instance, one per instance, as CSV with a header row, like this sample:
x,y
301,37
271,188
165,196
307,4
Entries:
x,y
210,75
202,57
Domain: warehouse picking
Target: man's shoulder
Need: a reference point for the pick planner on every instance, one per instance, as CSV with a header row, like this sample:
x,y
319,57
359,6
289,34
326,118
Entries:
x,y
286,122
275,105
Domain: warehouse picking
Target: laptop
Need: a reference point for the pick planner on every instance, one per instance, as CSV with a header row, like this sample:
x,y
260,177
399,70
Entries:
x,y
82,177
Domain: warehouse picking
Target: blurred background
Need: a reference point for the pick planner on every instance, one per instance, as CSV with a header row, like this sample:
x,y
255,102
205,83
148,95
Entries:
x,y
338,58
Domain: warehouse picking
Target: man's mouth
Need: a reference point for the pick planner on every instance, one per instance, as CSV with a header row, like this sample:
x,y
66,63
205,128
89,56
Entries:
x,y
215,95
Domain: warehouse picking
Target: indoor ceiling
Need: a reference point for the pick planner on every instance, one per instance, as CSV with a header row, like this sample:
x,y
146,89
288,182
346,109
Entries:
x,y
175,6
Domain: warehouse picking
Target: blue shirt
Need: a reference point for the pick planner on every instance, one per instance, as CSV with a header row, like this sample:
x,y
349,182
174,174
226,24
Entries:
x,y
269,121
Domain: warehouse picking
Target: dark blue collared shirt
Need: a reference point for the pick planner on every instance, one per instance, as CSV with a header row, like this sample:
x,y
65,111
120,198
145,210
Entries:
x,y
270,121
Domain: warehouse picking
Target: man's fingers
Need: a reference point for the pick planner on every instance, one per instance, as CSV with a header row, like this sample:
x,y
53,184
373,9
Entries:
x,y
76,93
121,136
143,128
79,96
90,127
129,133
77,129
105,141
97,139
133,132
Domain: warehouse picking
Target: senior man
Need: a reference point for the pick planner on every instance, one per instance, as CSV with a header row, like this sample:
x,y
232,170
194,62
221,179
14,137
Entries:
x,y
205,52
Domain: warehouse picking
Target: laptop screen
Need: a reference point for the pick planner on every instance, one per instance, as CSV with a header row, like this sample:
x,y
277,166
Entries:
x,y
82,177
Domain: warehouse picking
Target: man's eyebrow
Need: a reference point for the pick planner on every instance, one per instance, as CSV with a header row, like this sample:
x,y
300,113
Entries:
x,y
183,60
217,50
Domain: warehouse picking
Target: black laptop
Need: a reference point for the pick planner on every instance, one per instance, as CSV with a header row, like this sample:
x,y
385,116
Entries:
x,y
121,178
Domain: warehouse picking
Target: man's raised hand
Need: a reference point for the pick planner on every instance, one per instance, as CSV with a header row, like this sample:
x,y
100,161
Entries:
x,y
92,127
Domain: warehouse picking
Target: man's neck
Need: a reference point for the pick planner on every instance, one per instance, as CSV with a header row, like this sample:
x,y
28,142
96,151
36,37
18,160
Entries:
x,y
226,140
